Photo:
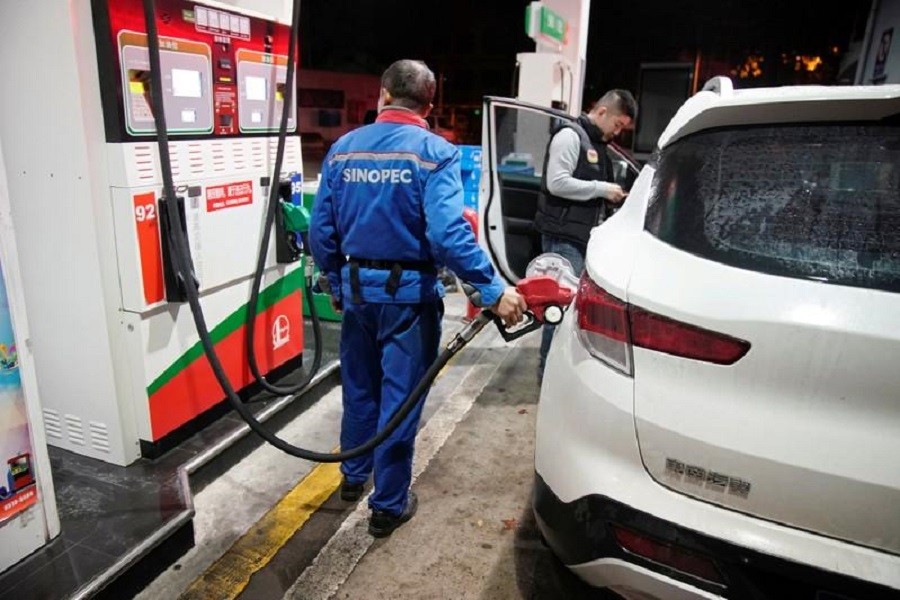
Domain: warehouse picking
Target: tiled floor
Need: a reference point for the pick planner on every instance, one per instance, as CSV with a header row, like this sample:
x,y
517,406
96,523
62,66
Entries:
x,y
107,511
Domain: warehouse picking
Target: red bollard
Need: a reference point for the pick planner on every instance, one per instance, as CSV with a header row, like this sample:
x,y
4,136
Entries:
x,y
472,217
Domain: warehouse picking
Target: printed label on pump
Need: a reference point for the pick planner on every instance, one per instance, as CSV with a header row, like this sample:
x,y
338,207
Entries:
x,y
230,195
18,503
297,189
146,223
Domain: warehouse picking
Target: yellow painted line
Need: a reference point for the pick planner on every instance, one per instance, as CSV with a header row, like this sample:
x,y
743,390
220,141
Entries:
x,y
230,575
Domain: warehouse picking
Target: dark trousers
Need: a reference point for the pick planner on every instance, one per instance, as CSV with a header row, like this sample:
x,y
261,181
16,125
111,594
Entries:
x,y
385,351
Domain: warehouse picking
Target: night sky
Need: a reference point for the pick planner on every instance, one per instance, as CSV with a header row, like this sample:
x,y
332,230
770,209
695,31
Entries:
x,y
475,43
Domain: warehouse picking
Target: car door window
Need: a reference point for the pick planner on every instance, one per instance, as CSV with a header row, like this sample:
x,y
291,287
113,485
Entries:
x,y
521,142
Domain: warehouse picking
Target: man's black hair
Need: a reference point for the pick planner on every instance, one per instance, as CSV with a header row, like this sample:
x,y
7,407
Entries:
x,y
410,82
620,101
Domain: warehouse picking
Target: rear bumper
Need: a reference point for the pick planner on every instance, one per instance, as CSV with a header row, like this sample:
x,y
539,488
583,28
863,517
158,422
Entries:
x,y
580,533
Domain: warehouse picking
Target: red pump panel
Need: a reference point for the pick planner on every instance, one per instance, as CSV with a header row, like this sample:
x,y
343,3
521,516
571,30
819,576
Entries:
x,y
223,71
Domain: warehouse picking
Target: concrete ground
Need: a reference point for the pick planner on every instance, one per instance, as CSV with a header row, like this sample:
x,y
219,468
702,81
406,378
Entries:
x,y
474,534
273,527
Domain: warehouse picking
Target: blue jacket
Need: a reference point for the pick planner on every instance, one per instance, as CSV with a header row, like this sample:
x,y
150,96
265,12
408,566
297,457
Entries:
x,y
392,191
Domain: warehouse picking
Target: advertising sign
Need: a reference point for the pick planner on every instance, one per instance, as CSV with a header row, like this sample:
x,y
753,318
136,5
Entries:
x,y
17,483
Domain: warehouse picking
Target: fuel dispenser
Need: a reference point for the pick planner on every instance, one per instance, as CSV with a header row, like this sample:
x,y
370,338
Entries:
x,y
143,187
124,374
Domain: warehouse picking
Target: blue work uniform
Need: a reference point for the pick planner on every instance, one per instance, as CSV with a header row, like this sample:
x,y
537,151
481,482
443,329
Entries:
x,y
390,197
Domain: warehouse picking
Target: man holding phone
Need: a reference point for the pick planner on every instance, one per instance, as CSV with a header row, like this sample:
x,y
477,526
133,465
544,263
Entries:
x,y
576,183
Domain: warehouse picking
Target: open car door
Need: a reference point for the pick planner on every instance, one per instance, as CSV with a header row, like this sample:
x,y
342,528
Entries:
x,y
515,136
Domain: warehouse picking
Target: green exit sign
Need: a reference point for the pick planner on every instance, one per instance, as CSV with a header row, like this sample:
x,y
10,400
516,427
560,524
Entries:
x,y
543,24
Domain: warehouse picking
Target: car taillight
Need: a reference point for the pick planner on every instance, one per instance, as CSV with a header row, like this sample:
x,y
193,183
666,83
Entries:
x,y
603,325
608,327
656,332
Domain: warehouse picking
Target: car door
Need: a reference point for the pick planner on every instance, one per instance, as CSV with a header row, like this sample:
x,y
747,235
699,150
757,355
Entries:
x,y
515,136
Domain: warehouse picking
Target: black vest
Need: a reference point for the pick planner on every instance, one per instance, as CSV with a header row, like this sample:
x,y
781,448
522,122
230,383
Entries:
x,y
573,219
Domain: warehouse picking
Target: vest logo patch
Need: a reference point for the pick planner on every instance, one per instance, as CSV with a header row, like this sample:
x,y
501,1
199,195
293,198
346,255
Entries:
x,y
592,156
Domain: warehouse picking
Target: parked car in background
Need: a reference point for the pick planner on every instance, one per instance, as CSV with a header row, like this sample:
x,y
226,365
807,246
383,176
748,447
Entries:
x,y
720,412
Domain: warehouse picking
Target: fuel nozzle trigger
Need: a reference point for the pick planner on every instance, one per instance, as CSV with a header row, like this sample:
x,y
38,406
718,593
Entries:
x,y
528,324
546,298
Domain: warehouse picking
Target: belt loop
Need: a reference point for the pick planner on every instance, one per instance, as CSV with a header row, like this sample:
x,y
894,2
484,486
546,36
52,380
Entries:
x,y
393,281
355,293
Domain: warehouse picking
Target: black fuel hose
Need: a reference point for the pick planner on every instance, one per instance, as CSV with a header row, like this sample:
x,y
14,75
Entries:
x,y
271,210
179,251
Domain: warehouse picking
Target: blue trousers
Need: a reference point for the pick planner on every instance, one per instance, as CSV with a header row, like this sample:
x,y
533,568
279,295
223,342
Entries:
x,y
574,253
385,351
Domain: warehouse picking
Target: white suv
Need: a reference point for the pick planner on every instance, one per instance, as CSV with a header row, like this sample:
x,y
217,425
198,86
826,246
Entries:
x,y
720,413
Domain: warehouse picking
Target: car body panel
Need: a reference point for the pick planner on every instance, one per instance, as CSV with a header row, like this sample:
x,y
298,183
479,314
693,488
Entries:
x,y
585,443
709,109
809,417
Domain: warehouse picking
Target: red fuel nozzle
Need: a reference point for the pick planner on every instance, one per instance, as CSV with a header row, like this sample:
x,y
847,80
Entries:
x,y
542,292
547,299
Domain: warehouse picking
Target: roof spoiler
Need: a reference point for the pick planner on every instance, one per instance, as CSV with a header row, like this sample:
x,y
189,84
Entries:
x,y
719,85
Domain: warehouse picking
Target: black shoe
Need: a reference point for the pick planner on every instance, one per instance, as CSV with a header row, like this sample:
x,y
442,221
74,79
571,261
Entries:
x,y
351,492
383,524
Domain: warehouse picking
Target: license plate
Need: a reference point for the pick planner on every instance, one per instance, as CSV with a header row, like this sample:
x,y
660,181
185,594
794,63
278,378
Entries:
x,y
831,596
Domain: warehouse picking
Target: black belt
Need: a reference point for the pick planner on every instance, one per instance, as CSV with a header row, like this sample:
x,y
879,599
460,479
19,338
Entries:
x,y
396,267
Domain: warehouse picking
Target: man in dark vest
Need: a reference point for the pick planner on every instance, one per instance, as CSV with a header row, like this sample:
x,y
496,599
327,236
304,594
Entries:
x,y
576,184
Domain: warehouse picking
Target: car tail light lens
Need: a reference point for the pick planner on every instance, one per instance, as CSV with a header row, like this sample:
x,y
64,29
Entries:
x,y
670,555
656,332
609,327
603,325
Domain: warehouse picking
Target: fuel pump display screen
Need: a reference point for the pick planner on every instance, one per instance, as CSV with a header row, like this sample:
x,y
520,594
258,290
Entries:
x,y
186,84
261,83
214,61
256,88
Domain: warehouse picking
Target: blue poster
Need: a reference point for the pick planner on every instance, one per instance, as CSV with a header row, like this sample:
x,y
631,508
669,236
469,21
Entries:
x,y
17,489
9,358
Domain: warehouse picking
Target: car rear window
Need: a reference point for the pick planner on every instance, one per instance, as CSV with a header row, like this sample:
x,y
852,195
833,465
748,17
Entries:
x,y
815,202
